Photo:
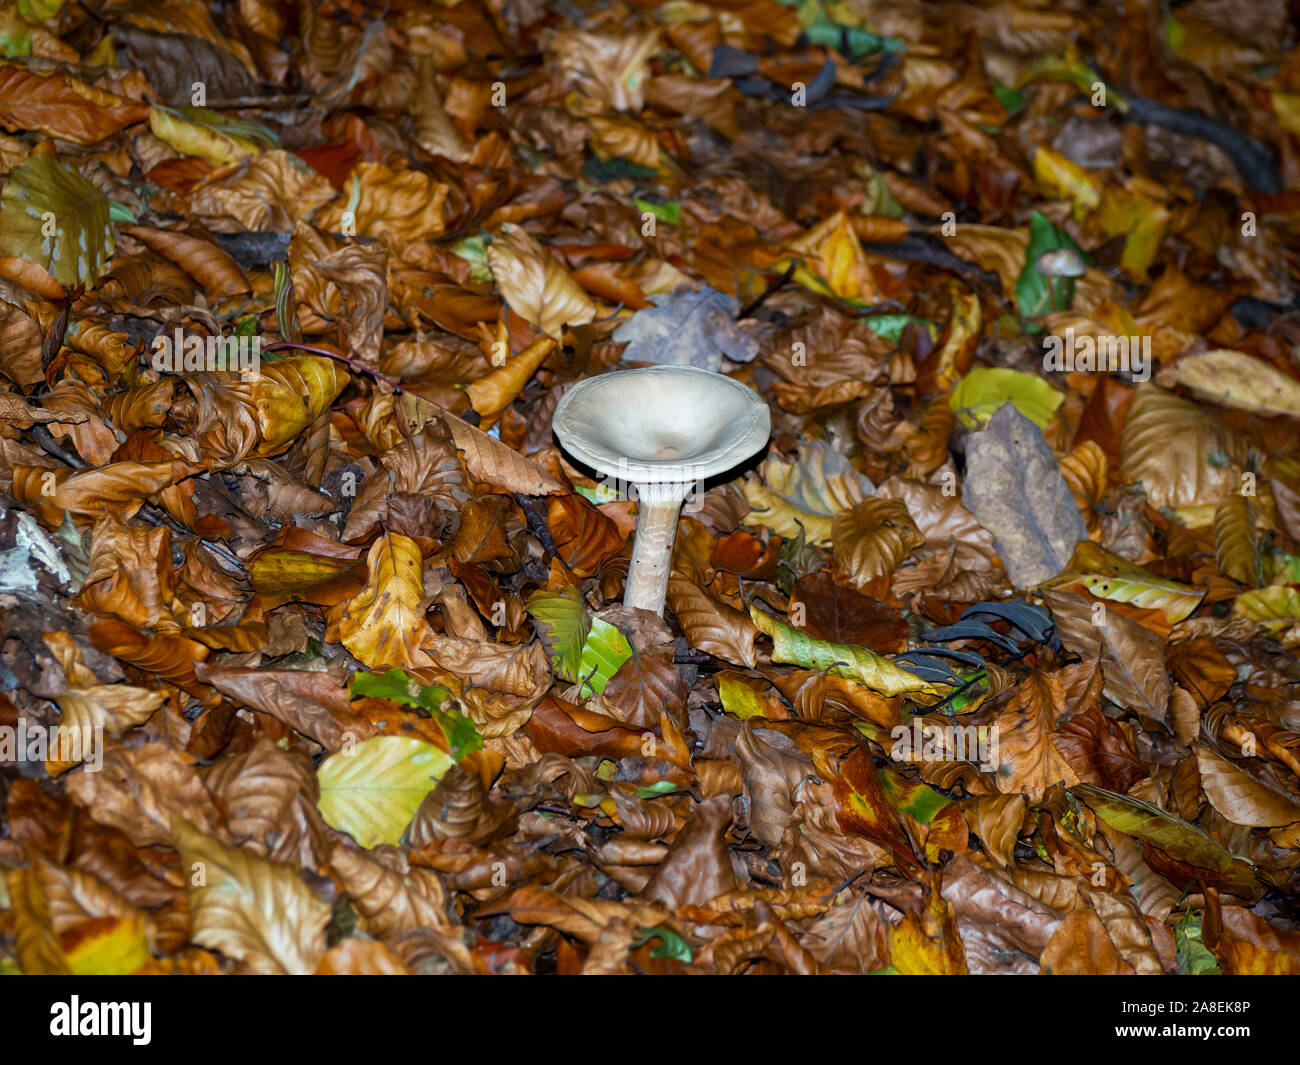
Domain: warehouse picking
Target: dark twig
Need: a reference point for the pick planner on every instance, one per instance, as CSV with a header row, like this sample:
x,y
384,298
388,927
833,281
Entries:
x,y
780,283
148,512
537,524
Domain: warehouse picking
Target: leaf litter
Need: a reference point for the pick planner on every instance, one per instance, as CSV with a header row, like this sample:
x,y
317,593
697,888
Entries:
x,y
987,665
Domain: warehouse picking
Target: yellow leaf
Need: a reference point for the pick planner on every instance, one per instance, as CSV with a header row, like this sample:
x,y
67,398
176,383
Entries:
x,y
203,142
801,497
398,206
1063,177
1276,607
290,394
1287,107
383,624
833,261
927,944
982,391
1113,577
962,327
495,391
106,946
371,791
878,673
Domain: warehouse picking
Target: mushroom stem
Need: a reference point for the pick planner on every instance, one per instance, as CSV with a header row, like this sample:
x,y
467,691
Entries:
x,y
652,551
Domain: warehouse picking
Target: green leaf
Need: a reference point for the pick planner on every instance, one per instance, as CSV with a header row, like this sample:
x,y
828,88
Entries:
x,y
15,37
52,216
659,787
826,31
39,10
890,326
981,392
1036,293
878,673
284,313
598,494
397,686
1009,98
579,649
914,797
1193,956
120,212
474,250
562,624
1184,842
603,652
372,790
670,212
603,171
671,945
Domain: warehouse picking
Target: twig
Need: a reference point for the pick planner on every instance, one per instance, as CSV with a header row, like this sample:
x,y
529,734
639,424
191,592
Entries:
x,y
359,367
780,283
148,512
47,444
537,524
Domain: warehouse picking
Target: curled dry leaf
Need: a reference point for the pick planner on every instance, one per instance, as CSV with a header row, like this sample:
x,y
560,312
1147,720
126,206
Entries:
x,y
872,538
383,625
1030,759
535,285
1240,797
711,626
1182,454
390,896
249,908
801,498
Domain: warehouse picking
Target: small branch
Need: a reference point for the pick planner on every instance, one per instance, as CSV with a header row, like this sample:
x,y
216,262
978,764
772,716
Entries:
x,y
537,524
352,364
780,283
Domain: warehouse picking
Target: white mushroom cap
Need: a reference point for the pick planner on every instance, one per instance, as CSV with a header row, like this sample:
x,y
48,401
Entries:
x,y
662,424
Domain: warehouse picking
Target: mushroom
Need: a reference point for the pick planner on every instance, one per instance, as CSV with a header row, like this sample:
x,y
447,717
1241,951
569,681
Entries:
x,y
662,430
